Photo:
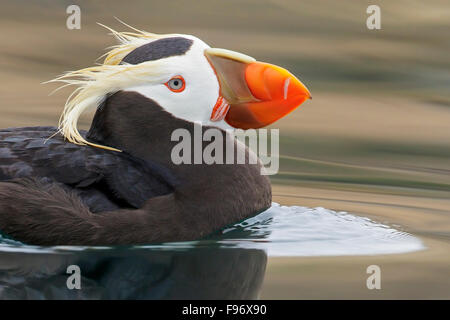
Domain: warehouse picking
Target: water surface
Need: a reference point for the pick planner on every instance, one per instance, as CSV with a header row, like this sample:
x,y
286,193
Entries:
x,y
228,265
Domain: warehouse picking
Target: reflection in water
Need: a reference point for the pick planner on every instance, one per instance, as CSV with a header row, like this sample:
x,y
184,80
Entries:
x,y
228,265
200,273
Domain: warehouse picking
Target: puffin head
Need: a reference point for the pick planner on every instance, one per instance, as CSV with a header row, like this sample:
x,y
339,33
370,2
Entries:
x,y
188,79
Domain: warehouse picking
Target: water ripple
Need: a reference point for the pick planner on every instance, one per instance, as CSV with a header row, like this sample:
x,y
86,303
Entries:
x,y
301,231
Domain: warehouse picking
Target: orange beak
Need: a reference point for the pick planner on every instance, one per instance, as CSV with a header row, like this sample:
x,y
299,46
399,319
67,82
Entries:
x,y
258,93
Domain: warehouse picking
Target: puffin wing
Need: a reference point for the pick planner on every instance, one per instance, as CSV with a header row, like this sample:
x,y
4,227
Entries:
x,y
35,151
97,175
136,181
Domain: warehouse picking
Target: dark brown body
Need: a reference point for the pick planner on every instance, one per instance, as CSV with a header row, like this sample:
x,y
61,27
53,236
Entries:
x,y
61,193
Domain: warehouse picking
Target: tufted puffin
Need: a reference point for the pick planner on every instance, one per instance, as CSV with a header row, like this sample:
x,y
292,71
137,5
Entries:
x,y
116,184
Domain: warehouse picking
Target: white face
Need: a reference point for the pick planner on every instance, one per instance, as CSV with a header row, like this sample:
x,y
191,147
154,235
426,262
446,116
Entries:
x,y
201,91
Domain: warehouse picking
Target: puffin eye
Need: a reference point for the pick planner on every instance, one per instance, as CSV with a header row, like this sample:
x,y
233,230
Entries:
x,y
176,84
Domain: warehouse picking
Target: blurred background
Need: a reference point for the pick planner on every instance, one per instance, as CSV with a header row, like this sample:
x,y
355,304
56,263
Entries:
x,y
374,141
